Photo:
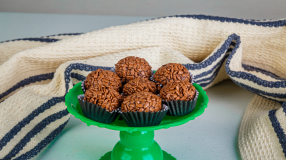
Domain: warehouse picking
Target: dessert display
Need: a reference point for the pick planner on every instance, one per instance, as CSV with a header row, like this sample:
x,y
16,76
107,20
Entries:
x,y
180,97
104,77
132,67
143,109
137,102
100,103
171,72
138,141
139,85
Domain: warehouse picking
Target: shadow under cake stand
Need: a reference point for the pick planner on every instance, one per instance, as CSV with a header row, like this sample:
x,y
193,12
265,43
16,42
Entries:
x,y
136,143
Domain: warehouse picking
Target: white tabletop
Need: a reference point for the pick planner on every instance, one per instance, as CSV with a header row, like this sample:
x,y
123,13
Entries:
x,y
213,135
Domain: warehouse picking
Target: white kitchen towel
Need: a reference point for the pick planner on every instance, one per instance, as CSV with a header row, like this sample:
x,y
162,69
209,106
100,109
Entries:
x,y
36,73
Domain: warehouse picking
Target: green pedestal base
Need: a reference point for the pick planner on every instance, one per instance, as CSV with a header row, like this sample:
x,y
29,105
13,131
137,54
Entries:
x,y
166,156
139,145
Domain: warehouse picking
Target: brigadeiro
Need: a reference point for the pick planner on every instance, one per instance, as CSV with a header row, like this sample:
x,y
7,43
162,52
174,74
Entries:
x,y
100,103
139,85
132,67
180,97
103,77
171,72
143,109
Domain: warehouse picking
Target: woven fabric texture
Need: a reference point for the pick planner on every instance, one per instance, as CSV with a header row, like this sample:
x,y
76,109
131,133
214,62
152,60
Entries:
x,y
36,73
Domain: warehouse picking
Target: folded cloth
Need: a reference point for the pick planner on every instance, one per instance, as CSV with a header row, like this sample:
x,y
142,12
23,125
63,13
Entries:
x,y
36,73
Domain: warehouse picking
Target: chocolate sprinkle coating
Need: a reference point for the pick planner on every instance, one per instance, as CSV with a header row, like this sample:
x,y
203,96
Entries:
x,y
103,96
142,102
173,91
172,72
132,67
103,77
139,85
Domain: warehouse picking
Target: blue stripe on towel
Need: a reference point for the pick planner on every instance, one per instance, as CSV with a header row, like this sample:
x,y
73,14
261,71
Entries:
x,y
39,127
217,68
278,130
65,34
284,107
43,143
77,76
17,128
213,68
279,23
47,40
260,92
43,39
252,68
27,81
210,78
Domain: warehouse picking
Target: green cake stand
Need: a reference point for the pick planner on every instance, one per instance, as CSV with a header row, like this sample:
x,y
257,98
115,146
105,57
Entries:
x,y
136,143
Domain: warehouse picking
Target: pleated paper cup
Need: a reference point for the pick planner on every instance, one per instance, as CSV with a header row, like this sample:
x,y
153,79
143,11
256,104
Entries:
x,y
180,108
143,119
95,112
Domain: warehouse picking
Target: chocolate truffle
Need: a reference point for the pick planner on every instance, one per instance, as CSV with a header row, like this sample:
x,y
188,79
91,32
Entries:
x,y
103,96
132,67
142,102
139,85
173,91
172,72
103,77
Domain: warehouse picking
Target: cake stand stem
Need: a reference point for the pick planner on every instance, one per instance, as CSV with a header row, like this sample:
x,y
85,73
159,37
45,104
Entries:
x,y
138,145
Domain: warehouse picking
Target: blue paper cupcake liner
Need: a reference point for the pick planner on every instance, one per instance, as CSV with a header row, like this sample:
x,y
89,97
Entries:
x,y
95,112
